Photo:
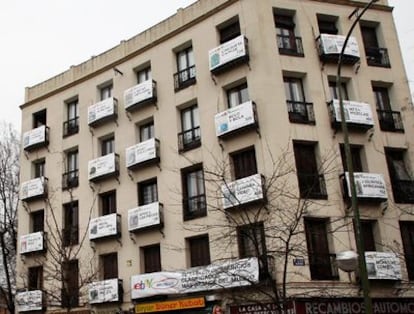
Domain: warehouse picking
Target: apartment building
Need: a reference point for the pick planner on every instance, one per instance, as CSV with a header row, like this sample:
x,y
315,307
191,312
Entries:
x,y
198,167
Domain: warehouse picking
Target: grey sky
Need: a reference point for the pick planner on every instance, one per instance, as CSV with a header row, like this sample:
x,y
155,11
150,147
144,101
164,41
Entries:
x,y
42,38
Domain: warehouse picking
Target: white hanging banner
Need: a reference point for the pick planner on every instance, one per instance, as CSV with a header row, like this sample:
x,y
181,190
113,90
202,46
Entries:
x,y
35,136
368,185
242,191
229,51
332,44
102,109
355,112
234,118
144,216
383,265
103,226
141,152
138,93
104,291
32,242
101,166
29,301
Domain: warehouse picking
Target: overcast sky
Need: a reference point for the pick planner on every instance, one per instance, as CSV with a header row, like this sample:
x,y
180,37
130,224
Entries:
x,y
41,38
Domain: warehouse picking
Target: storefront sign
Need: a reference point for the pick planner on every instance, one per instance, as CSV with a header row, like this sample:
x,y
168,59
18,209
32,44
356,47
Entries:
x,y
242,191
138,93
101,110
104,226
332,44
383,266
144,216
234,118
355,112
259,308
184,304
141,152
227,52
368,185
104,291
35,136
32,188
32,242
29,301
101,166
229,274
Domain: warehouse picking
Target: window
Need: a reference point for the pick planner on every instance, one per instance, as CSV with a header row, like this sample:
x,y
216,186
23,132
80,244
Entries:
x,y
190,137
356,158
70,284
321,261
186,72
237,95
327,24
287,41
39,168
333,89
401,182
407,235
389,120
148,192
367,233
35,278
375,55
106,91
37,218
71,125
311,183
71,176
152,258
194,198
199,251
146,131
39,118
107,145
108,202
244,163
109,266
299,110
229,31
144,75
71,224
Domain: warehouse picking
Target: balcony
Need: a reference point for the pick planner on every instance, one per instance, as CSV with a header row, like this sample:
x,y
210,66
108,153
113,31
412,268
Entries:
x,y
403,191
33,243
71,127
390,121
185,78
194,207
370,187
140,95
228,55
33,189
103,167
70,179
383,266
300,112
145,217
106,291
103,111
358,115
243,191
330,47
143,154
70,236
377,57
28,301
103,227
36,138
290,45
235,120
312,186
323,266
189,139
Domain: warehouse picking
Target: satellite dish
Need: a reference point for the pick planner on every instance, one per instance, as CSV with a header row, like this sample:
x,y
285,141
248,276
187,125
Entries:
x,y
347,261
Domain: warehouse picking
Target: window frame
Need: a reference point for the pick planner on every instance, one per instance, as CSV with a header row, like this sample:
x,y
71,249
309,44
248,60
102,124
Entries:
x,y
146,131
152,186
107,145
71,224
35,278
109,264
39,118
39,168
244,163
108,203
199,250
151,258
229,30
198,208
106,91
37,219
144,74
237,95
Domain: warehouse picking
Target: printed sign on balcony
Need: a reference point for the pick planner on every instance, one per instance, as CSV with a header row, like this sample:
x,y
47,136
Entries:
x,y
332,44
227,52
242,191
144,216
101,166
355,112
104,291
141,152
32,242
234,118
228,274
138,93
32,188
29,301
368,185
383,265
103,226
100,110
35,136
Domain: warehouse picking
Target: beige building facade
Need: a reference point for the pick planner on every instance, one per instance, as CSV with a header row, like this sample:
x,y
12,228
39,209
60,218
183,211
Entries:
x,y
198,167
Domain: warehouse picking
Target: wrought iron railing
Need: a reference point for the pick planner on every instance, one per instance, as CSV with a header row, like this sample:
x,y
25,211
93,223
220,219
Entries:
x,y
300,112
290,45
185,78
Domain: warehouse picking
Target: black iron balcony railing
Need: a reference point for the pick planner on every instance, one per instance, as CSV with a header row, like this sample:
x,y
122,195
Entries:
x,y
195,206
70,179
403,191
390,121
70,236
300,112
312,185
189,139
290,45
71,127
185,78
323,266
377,57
